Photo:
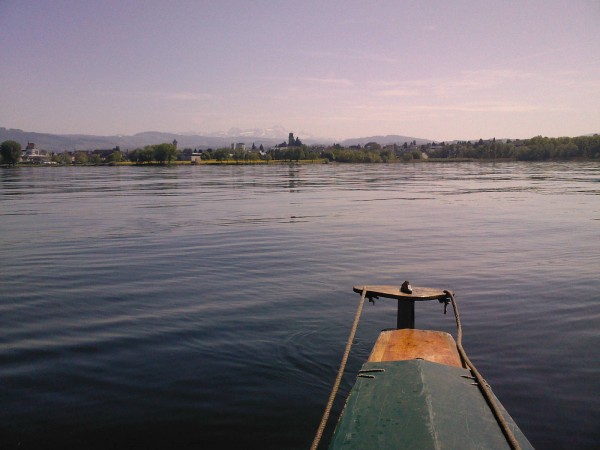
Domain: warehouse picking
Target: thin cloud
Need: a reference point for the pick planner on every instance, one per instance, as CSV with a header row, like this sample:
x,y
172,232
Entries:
x,y
463,84
185,96
361,56
495,76
482,107
179,96
399,93
381,59
292,82
332,80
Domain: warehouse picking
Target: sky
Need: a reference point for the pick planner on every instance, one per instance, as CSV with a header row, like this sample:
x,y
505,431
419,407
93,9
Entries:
x,y
440,70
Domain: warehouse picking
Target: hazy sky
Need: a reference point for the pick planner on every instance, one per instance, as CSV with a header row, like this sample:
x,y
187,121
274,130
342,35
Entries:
x,y
432,69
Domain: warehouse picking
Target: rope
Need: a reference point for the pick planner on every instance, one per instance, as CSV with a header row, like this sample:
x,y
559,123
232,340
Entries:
x,y
338,380
483,386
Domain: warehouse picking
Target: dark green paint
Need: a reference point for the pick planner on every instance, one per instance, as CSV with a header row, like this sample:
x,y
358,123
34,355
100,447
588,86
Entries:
x,y
419,405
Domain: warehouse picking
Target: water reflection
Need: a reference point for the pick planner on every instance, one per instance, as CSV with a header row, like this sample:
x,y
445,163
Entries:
x,y
293,177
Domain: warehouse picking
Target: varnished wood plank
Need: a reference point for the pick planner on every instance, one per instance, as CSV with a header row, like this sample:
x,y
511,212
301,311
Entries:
x,y
419,293
408,344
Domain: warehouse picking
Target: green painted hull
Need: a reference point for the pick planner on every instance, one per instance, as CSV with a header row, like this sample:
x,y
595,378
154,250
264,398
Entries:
x,y
419,404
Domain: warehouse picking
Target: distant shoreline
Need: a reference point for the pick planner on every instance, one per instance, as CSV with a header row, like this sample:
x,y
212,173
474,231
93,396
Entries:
x,y
294,163
538,148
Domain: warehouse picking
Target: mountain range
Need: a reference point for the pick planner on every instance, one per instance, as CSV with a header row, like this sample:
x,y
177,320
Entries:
x,y
267,137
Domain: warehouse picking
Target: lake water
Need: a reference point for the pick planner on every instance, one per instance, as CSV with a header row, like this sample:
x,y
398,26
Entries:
x,y
208,307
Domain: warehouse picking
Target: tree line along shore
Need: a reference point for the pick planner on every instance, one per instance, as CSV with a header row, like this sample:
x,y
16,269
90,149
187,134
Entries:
x,y
535,149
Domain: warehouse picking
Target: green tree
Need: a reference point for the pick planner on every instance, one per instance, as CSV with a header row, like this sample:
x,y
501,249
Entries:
x,y
11,152
165,153
115,157
239,154
81,157
221,154
133,155
66,158
140,156
372,146
387,155
146,154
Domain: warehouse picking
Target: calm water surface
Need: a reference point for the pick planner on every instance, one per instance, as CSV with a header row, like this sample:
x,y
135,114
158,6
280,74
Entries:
x,y
208,307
